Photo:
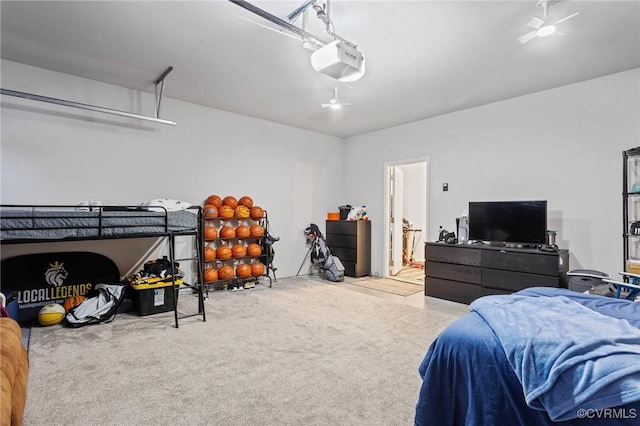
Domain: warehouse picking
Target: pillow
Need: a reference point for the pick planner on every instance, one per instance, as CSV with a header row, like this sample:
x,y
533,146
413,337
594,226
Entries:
x,y
168,204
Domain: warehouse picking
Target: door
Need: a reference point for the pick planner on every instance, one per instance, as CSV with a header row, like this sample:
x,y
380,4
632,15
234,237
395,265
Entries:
x,y
397,202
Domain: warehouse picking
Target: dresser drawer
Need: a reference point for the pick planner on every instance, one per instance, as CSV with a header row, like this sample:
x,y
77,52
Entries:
x,y
515,281
536,263
453,254
340,240
452,290
345,254
347,227
448,271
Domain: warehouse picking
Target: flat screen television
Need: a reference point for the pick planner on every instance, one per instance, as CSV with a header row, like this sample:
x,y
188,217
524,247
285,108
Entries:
x,y
520,222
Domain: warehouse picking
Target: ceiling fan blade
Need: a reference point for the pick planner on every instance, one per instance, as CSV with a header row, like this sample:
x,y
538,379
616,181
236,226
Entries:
x,y
279,31
527,37
535,22
566,18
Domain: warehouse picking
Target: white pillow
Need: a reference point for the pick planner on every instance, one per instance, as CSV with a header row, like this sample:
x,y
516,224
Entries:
x,y
168,204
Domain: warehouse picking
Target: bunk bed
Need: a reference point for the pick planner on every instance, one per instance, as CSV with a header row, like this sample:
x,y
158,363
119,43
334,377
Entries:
x,y
21,224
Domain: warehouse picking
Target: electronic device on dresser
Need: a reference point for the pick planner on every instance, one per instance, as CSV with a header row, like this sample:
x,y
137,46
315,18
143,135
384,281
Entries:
x,y
521,224
521,253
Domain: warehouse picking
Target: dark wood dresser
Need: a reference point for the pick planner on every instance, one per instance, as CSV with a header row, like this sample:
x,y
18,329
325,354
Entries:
x,y
350,240
463,273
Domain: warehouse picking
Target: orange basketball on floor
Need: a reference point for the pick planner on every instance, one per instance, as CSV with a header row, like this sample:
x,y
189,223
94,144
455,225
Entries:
x,y
243,270
210,233
254,250
210,211
256,213
238,250
72,302
209,254
214,200
256,231
245,201
223,253
257,269
227,232
225,211
225,272
230,201
210,274
243,231
242,212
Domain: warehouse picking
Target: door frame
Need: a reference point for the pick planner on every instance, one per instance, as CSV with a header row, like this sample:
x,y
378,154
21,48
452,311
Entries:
x,y
386,231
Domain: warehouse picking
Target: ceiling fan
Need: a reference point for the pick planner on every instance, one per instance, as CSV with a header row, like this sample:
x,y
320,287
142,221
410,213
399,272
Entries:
x,y
334,103
541,27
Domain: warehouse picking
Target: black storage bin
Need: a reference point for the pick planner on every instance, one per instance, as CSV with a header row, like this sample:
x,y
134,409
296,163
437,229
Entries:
x,y
154,299
344,211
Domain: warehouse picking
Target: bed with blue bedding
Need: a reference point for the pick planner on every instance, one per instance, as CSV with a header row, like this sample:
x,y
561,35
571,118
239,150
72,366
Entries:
x,y
542,356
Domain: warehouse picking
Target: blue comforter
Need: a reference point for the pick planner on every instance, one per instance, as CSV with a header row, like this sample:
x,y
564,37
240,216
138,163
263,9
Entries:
x,y
565,355
474,374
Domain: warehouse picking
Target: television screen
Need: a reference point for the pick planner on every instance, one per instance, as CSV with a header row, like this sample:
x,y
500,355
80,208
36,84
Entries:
x,y
508,221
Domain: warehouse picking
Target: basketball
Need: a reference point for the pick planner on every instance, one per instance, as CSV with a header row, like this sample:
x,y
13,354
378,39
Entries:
x,y
227,232
238,250
254,250
256,213
210,211
214,200
210,274
230,201
51,314
243,270
226,211
225,272
210,233
256,231
246,201
209,254
242,212
223,253
257,269
243,231
72,302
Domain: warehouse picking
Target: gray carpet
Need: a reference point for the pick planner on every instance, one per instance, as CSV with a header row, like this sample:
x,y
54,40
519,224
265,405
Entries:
x,y
305,352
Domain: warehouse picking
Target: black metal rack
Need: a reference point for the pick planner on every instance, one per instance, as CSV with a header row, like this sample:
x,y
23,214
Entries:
x,y
267,255
630,199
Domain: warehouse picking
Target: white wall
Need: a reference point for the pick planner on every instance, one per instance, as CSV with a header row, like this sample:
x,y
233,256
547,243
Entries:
x,y
562,145
415,203
58,155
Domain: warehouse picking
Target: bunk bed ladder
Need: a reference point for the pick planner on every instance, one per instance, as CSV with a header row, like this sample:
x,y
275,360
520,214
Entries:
x,y
198,285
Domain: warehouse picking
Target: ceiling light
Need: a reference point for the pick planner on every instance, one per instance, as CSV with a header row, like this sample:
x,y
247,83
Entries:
x,y
545,31
339,60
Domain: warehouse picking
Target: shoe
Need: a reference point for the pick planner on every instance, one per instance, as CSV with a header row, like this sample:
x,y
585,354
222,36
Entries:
x,y
95,205
240,288
234,289
82,206
249,285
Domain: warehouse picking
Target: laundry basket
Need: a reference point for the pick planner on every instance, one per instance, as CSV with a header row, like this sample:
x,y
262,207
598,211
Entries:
x,y
582,280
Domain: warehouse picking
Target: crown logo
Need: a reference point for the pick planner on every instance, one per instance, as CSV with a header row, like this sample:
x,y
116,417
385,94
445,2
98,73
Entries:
x,y
56,264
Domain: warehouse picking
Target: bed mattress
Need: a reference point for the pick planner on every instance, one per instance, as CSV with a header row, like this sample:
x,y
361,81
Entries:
x,y
39,223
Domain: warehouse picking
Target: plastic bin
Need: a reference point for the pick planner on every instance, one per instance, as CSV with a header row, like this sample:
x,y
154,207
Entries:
x,y
582,280
153,297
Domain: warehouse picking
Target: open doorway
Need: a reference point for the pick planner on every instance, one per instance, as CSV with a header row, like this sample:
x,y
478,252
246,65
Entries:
x,y
406,219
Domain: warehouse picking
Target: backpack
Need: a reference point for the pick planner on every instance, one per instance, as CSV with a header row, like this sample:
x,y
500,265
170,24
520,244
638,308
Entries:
x,y
99,308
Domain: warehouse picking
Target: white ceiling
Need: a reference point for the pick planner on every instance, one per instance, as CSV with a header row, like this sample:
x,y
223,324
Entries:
x,y
424,58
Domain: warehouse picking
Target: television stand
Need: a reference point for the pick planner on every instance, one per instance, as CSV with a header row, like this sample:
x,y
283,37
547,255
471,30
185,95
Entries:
x,y
463,273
